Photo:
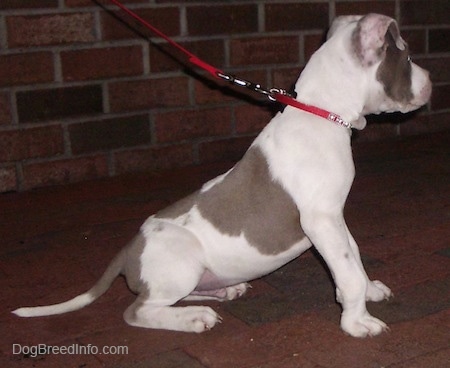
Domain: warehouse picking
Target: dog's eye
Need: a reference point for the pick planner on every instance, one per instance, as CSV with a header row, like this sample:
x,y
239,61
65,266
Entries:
x,y
409,58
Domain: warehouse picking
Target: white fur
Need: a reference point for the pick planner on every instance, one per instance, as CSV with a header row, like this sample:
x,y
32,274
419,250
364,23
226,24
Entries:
x,y
78,302
208,185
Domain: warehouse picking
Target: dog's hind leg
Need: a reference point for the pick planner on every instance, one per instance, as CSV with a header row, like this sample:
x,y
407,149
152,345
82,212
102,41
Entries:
x,y
227,293
153,308
188,319
172,266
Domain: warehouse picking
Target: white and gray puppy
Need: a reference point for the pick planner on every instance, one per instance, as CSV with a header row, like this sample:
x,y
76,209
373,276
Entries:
x,y
287,193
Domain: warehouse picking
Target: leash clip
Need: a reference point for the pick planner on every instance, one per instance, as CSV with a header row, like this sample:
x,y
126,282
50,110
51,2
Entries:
x,y
253,86
277,91
243,83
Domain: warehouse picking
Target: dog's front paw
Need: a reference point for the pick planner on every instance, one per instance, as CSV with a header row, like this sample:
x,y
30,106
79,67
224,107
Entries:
x,y
377,291
364,326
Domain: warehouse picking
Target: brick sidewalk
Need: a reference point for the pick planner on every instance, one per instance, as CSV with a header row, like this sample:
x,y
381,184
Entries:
x,y
57,241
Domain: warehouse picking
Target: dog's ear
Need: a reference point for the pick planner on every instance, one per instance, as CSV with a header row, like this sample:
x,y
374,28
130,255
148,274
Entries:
x,y
372,35
341,21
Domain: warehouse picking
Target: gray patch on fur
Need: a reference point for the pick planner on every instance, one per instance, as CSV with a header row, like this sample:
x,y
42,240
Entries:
x,y
394,71
248,201
357,44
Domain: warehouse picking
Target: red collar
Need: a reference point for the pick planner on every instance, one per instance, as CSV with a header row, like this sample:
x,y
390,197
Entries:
x,y
287,100
274,94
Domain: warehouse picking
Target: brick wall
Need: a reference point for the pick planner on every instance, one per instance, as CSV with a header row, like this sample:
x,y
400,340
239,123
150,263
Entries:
x,y
82,96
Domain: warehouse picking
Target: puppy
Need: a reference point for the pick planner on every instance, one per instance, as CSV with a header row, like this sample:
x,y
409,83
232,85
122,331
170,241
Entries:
x,y
286,194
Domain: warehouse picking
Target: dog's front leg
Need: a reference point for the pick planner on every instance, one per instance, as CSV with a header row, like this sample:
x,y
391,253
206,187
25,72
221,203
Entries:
x,y
376,290
328,233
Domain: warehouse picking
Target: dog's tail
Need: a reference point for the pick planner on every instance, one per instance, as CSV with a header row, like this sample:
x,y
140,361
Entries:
x,y
80,301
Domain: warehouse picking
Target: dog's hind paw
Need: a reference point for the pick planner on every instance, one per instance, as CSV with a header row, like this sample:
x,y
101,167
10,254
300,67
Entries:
x,y
236,291
363,327
224,294
200,319
377,291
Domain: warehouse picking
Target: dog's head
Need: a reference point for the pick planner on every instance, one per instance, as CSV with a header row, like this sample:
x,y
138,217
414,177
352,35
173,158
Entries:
x,y
375,44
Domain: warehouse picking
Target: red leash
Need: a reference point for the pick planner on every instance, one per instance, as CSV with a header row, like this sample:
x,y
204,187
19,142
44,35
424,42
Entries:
x,y
192,58
274,94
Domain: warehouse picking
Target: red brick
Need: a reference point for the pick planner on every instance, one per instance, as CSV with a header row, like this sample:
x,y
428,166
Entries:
x,y
438,40
416,40
426,123
292,16
27,4
102,63
191,124
424,12
146,355
440,98
358,7
109,134
50,29
52,360
153,159
403,343
40,105
436,358
84,3
213,93
251,119
224,150
438,68
312,44
16,145
270,343
164,58
5,108
29,68
222,19
264,50
394,249
8,179
286,78
64,171
376,131
149,93
165,19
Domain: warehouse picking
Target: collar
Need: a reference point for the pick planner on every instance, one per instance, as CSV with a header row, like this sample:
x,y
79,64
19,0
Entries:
x,y
279,95
288,100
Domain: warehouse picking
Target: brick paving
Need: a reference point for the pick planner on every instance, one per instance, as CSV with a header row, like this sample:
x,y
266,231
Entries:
x,y
56,242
